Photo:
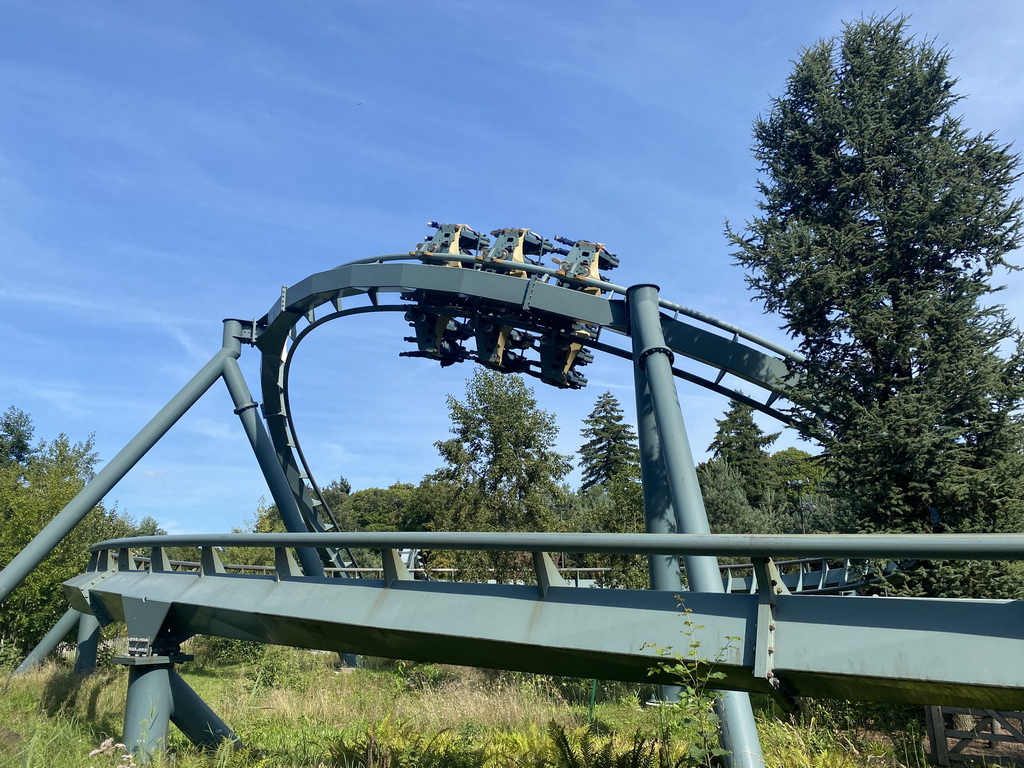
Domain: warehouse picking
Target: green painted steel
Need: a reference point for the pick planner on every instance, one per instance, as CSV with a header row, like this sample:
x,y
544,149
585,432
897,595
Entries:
x,y
935,546
262,446
148,708
195,719
893,649
504,293
768,641
528,303
87,645
652,355
659,516
46,646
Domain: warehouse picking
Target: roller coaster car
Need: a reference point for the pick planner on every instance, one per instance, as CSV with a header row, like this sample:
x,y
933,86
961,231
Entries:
x,y
559,358
455,239
493,342
517,246
583,260
437,337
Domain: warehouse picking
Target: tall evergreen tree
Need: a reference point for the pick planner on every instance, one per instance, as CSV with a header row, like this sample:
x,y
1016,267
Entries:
x,y
610,449
742,444
15,437
882,222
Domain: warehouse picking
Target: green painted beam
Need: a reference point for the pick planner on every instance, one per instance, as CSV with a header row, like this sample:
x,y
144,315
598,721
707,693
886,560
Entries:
x,y
959,652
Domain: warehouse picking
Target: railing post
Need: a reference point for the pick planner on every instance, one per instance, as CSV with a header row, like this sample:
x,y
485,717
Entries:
x,y
653,357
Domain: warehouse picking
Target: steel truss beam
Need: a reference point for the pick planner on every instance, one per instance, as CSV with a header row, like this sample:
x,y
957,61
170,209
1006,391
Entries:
x,y
963,652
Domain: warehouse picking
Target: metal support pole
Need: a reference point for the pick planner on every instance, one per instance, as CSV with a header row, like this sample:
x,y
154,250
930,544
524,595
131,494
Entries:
x,y
659,517
88,644
36,550
60,630
148,710
194,717
653,356
280,490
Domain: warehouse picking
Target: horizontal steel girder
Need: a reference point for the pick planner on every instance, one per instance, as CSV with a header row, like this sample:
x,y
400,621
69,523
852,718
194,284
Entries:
x,y
958,652
720,352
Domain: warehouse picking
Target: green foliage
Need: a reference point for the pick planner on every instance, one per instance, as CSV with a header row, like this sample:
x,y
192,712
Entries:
x,y
725,500
336,495
321,717
742,444
748,490
393,745
622,511
267,520
883,220
695,710
16,432
501,471
797,474
584,749
382,509
36,483
610,450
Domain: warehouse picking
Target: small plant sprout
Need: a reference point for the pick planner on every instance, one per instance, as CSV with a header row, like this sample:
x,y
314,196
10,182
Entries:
x,y
695,708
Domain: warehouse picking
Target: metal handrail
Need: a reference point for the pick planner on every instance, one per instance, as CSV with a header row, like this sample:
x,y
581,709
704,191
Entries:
x,y
948,546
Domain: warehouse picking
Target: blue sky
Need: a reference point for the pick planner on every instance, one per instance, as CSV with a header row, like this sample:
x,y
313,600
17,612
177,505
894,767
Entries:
x,y
166,165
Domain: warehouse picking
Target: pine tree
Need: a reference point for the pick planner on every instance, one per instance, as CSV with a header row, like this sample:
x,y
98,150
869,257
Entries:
x,y
15,437
883,220
610,449
742,444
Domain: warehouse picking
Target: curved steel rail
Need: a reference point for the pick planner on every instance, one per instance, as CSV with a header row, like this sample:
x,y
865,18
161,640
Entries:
x,y
525,303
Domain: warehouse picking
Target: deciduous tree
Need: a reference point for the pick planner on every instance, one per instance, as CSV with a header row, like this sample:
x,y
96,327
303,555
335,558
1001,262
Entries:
x,y
501,466
36,482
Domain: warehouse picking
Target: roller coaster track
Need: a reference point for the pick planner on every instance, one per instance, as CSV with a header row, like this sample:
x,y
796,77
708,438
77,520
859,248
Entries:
x,y
962,652
721,356
760,635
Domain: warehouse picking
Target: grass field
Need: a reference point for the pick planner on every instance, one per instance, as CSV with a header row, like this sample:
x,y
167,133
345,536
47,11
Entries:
x,y
299,708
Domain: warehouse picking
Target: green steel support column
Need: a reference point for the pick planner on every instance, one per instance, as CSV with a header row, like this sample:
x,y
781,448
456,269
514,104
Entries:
x,y
25,561
148,710
194,717
263,447
88,644
659,517
64,625
652,355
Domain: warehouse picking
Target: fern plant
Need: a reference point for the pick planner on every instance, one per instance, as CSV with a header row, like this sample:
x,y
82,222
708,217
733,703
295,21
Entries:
x,y
583,750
